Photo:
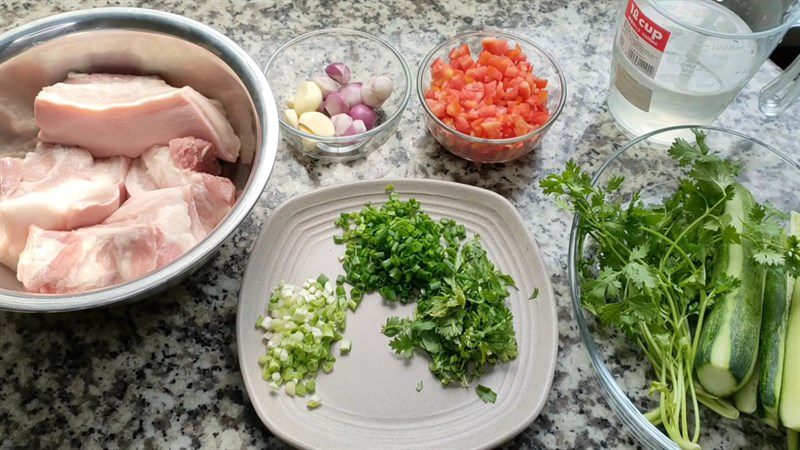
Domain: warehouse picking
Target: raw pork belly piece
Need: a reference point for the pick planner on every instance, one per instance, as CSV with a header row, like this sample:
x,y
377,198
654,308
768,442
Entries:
x,y
87,258
55,188
186,161
149,231
112,115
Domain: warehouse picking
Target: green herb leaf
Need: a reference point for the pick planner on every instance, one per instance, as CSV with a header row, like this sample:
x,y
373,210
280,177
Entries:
x,y
486,394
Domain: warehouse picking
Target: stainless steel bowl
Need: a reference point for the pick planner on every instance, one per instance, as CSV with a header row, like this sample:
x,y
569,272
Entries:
x,y
137,41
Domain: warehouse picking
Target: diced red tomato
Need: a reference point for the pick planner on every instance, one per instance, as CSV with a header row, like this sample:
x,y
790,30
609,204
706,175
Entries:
x,y
492,129
458,82
494,96
495,46
462,125
441,70
459,52
511,72
454,109
540,117
437,108
515,53
466,62
492,73
524,90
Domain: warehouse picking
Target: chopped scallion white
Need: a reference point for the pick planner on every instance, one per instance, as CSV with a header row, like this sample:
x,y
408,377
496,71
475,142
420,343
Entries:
x,y
301,325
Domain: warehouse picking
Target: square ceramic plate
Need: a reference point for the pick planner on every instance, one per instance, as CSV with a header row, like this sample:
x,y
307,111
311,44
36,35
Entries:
x,y
370,399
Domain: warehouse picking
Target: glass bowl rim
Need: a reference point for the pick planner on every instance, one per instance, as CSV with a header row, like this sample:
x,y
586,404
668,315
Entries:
x,y
367,134
562,99
645,432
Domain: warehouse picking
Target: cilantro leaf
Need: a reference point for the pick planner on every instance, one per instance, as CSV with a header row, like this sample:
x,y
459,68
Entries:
x,y
403,345
486,394
642,275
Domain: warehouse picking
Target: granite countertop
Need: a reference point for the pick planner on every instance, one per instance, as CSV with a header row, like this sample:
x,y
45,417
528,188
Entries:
x,y
164,372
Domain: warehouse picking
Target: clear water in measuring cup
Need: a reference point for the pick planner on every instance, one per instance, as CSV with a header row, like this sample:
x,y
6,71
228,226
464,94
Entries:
x,y
698,75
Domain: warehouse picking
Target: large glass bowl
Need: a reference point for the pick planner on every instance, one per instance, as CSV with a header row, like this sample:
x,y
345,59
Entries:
x,y
620,368
306,56
493,150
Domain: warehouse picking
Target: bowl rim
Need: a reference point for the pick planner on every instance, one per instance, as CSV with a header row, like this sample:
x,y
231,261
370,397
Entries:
x,y
644,431
562,99
396,115
245,68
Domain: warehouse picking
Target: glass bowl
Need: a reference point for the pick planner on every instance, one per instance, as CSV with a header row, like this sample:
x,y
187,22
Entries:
x,y
306,56
620,368
493,150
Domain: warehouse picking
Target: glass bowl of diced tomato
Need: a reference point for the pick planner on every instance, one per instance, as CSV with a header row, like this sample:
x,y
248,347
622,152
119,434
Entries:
x,y
490,96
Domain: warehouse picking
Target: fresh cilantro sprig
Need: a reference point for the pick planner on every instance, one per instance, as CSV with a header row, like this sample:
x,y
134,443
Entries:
x,y
648,268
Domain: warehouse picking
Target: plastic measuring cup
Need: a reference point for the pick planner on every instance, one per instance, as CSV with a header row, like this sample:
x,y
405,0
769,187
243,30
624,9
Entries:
x,y
679,62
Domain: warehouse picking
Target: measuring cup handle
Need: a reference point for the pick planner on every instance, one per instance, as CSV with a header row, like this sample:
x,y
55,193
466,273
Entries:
x,y
775,97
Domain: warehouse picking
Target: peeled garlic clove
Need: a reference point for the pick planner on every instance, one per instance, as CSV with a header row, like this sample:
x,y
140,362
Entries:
x,y
339,72
308,97
327,85
309,145
317,123
341,122
376,90
291,117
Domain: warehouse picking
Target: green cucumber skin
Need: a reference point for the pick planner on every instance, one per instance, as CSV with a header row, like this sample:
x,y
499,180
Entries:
x,y
772,345
790,390
737,316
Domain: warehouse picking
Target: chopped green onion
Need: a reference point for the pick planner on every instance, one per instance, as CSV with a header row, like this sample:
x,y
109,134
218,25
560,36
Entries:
x,y
313,402
300,328
289,388
345,346
311,386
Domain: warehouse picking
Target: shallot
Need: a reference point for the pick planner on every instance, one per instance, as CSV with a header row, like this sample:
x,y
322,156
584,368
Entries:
x,y
357,127
327,85
339,72
376,90
336,104
365,114
341,123
352,93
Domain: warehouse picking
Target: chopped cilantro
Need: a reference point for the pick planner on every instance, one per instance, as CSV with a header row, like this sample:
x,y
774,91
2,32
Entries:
x,y
461,320
486,394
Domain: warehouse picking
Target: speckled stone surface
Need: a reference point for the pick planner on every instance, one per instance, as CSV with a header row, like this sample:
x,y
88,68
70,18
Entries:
x,y
164,372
